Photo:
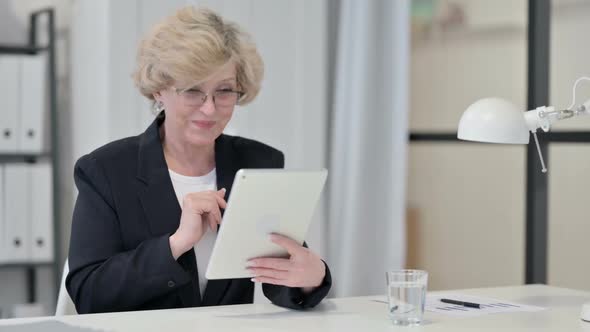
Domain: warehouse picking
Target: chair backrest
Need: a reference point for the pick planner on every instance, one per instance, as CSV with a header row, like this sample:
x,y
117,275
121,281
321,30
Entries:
x,y
65,305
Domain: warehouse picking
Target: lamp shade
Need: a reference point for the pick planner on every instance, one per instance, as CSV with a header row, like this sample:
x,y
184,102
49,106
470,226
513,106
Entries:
x,y
493,120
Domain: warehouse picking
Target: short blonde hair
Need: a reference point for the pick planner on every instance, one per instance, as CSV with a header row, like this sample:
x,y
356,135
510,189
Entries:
x,y
191,45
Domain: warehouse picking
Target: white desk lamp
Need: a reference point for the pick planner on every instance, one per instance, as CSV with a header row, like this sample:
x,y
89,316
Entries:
x,y
495,120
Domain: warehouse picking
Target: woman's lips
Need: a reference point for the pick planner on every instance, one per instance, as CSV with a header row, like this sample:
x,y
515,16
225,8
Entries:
x,y
204,124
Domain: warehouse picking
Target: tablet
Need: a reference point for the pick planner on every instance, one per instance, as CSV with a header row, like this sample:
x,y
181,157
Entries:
x,y
261,202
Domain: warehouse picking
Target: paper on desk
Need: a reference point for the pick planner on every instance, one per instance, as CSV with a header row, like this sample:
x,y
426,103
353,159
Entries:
x,y
488,305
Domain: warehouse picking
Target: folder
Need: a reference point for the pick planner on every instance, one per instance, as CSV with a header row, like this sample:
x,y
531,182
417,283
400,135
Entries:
x,y
2,253
10,97
16,213
34,118
41,207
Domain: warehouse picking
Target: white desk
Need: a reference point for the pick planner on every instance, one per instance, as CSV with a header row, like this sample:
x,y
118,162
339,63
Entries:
x,y
345,314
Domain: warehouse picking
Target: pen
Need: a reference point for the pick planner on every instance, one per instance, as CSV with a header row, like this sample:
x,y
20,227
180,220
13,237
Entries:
x,y
465,304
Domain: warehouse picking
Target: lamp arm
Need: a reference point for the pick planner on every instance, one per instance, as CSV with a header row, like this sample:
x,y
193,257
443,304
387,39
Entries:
x,y
541,117
583,109
545,116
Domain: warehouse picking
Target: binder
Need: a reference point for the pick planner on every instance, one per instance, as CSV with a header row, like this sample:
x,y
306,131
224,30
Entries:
x,y
2,253
16,213
33,133
40,204
10,97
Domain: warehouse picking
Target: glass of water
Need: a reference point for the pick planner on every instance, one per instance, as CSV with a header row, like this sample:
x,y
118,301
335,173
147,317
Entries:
x,y
406,293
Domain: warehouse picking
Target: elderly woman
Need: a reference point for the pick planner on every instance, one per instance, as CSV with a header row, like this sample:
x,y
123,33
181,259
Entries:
x,y
148,207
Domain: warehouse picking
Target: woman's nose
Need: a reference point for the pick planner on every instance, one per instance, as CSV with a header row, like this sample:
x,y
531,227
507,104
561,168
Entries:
x,y
208,106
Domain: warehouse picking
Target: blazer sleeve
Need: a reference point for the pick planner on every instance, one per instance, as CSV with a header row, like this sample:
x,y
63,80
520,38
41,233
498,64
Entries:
x,y
103,275
294,297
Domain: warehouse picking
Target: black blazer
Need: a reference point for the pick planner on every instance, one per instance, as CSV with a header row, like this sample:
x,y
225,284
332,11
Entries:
x,y
126,209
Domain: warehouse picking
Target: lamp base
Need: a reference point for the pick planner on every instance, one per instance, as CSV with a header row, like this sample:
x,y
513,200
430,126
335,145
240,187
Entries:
x,y
585,314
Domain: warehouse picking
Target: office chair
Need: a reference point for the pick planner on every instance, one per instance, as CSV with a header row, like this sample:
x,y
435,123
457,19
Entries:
x,y
65,305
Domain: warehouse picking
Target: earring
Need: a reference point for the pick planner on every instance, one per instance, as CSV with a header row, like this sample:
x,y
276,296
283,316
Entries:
x,y
159,106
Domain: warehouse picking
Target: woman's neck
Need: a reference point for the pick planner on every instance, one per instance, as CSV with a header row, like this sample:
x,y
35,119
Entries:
x,y
187,159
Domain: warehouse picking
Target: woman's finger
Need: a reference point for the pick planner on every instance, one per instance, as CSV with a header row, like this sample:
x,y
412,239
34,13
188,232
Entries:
x,y
289,244
221,202
213,223
269,273
217,214
267,280
284,264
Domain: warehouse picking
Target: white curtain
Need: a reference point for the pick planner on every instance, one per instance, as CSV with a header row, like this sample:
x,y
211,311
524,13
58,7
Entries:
x,y
366,208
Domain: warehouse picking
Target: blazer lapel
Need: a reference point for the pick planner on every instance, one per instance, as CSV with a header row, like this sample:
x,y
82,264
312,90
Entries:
x,y
226,167
159,201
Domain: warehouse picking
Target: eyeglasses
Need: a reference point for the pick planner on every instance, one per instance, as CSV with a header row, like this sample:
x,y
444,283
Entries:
x,y
222,98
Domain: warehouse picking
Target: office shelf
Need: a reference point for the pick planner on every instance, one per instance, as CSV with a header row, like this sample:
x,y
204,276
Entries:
x,y
10,49
23,158
25,265
32,47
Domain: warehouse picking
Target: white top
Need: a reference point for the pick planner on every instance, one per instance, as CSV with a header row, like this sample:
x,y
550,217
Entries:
x,y
189,184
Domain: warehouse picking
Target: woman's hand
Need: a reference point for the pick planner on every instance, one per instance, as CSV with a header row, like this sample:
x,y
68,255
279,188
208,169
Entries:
x,y
303,269
199,210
